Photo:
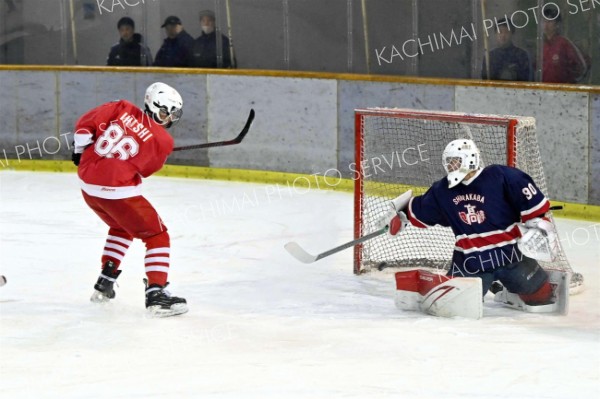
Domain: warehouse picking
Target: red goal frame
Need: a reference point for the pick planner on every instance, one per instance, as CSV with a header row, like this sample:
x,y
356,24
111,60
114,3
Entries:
x,y
510,124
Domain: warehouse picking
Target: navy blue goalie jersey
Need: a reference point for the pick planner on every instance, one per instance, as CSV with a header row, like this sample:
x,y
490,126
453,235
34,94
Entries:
x,y
483,214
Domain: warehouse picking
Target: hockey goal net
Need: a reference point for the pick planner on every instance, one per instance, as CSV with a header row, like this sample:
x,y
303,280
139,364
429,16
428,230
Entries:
x,y
401,149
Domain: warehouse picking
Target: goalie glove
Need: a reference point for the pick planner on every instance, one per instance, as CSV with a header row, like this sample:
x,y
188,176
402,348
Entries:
x,y
538,240
392,220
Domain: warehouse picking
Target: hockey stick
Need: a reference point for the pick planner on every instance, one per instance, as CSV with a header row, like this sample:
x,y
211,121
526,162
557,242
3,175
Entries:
x,y
2,280
236,140
299,253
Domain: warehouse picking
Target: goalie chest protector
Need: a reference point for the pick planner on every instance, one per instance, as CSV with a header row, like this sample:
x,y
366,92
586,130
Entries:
x,y
483,216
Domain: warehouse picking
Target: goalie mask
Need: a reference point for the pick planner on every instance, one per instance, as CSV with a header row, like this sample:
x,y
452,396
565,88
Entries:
x,y
164,104
460,158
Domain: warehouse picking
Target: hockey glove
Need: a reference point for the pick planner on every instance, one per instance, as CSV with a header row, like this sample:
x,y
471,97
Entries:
x,y
76,158
538,240
394,221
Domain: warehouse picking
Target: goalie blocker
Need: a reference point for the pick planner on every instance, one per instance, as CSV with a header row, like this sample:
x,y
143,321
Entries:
x,y
443,296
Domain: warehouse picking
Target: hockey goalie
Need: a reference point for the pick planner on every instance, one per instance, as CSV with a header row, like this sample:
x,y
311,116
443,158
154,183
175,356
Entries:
x,y
498,217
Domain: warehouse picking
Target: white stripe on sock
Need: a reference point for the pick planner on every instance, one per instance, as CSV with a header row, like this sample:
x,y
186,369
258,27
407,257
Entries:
x,y
164,269
119,239
116,246
113,254
156,259
164,250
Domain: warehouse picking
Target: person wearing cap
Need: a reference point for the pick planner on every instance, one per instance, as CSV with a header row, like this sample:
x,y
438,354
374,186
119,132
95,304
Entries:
x,y
176,46
563,62
130,50
507,61
204,52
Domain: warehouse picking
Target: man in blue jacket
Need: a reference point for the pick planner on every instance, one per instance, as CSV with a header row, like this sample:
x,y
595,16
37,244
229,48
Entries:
x,y
176,47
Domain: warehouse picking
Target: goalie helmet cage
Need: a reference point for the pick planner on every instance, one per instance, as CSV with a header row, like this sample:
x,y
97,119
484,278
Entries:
x,y
401,149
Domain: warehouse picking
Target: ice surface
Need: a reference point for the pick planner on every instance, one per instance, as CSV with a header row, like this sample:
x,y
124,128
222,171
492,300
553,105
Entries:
x,y
261,324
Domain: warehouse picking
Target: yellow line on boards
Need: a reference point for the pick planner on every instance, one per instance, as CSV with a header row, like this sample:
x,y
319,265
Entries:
x,y
293,181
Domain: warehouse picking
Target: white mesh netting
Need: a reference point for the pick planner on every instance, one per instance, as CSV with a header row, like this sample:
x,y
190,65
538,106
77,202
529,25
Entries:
x,y
402,149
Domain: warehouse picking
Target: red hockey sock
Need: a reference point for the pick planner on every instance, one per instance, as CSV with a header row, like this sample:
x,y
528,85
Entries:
x,y
116,246
540,297
157,258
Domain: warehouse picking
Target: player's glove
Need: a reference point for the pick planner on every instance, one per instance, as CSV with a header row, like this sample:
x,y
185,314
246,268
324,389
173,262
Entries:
x,y
394,221
76,158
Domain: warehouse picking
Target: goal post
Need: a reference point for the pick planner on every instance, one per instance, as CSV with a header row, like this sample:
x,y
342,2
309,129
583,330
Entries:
x,y
401,149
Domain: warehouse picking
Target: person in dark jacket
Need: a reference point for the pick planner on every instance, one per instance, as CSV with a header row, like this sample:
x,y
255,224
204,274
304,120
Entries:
x,y
175,49
211,49
507,61
130,51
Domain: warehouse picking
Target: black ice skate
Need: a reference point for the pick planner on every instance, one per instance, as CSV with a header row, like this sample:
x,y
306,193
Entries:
x,y
103,289
160,302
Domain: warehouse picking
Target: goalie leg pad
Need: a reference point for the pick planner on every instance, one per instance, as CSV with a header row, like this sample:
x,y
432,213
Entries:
x,y
439,295
459,296
524,277
559,300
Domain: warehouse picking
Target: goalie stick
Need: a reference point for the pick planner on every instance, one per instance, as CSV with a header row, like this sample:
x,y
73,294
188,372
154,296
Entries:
x,y
236,140
299,253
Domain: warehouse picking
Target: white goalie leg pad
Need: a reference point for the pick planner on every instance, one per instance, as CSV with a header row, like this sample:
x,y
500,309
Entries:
x,y
560,282
457,297
408,300
408,284
438,295
560,296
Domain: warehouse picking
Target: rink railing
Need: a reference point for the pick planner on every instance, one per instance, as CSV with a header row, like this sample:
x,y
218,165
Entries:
x,y
304,120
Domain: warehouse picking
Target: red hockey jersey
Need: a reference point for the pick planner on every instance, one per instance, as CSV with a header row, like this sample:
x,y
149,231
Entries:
x,y
120,144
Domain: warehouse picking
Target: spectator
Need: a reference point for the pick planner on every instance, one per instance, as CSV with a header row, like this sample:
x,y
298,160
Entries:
x,y
563,61
130,51
204,52
176,47
507,61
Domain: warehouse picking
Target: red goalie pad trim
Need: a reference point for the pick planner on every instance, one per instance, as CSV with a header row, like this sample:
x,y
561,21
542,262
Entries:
x,y
420,281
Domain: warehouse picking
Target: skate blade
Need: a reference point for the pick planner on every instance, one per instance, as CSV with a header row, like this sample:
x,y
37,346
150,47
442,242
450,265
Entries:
x,y
174,310
98,297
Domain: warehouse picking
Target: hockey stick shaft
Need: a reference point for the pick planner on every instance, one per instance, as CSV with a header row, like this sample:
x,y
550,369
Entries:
x,y
236,140
299,253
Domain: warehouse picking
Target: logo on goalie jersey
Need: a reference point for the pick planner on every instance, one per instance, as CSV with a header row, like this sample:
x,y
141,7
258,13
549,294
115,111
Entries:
x,y
471,215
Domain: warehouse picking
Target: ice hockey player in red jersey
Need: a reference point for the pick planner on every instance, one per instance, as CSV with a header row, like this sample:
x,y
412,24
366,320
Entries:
x,y
497,214
115,146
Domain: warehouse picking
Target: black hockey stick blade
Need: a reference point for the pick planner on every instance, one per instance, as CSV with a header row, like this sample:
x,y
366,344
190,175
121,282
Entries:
x,y
299,253
236,140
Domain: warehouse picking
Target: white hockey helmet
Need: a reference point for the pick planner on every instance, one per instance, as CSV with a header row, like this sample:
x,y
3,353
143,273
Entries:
x,y
460,158
162,98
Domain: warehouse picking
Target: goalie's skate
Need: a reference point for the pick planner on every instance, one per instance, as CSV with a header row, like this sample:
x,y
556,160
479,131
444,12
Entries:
x,y
104,288
160,302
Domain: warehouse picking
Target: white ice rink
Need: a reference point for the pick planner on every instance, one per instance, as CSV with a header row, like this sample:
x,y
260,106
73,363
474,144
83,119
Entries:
x,y
260,325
